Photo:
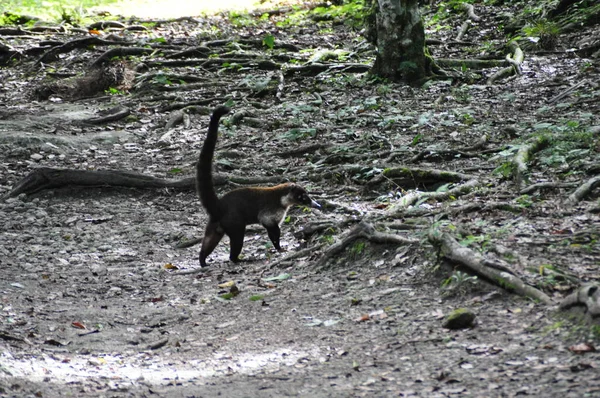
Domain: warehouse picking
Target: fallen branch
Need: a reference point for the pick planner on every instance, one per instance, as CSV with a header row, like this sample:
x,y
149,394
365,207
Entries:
x,y
568,91
453,251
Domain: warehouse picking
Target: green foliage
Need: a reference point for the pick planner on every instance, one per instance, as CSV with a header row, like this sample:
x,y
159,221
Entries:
x,y
569,143
351,12
233,66
269,41
161,79
114,91
328,239
68,11
242,19
470,239
543,32
416,139
357,249
459,283
524,201
298,133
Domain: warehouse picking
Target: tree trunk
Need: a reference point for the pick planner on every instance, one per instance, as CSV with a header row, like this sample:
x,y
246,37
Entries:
x,y
400,42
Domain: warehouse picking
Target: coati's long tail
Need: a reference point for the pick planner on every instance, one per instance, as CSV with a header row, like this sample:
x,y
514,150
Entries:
x,y
204,178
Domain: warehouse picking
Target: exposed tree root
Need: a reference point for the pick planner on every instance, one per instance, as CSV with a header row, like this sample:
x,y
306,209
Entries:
x,y
585,301
50,178
470,10
498,274
407,177
470,63
52,53
302,150
123,52
111,115
96,80
522,157
516,59
362,230
189,243
413,197
478,207
298,254
546,185
316,68
583,191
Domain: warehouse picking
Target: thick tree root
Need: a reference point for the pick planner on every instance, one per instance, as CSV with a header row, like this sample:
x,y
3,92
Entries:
x,y
546,185
585,301
363,230
522,157
516,59
413,197
583,191
492,271
50,178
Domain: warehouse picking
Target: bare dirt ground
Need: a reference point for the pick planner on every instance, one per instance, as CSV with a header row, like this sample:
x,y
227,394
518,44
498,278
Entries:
x,y
90,300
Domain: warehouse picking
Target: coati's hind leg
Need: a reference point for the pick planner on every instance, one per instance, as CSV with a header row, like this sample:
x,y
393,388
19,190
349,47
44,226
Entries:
x,y
212,236
236,242
274,234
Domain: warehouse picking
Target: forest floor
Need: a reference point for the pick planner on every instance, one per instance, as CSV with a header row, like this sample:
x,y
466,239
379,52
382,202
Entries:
x,y
91,303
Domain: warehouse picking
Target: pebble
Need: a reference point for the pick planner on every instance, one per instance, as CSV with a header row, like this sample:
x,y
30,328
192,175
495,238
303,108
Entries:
x,y
37,157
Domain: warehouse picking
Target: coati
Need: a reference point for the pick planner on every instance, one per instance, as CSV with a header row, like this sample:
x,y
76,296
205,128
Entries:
x,y
236,209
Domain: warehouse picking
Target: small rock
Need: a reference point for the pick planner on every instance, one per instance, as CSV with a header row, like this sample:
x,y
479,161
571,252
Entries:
x,y
37,157
460,318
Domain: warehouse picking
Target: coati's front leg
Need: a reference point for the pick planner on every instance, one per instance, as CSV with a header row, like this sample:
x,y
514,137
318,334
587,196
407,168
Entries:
x,y
274,234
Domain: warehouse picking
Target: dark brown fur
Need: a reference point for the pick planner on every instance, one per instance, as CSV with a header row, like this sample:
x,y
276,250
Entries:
x,y
231,214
